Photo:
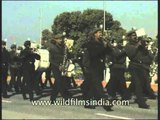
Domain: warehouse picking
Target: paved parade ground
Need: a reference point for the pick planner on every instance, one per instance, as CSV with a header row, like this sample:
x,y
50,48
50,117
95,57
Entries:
x,y
80,60
17,108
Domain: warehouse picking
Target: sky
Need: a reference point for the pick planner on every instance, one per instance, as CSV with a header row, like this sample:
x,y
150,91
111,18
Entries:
x,y
26,19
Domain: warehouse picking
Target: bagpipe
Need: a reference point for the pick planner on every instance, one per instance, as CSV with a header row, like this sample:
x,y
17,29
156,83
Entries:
x,y
67,67
154,65
43,63
148,44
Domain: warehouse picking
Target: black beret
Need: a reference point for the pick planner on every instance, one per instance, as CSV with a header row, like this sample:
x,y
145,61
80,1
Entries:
x,y
149,39
3,42
26,43
130,32
20,48
96,30
13,46
58,36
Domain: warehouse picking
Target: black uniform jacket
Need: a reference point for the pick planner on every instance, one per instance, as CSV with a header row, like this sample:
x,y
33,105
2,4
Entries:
x,y
15,61
56,54
97,53
5,57
118,58
138,55
27,55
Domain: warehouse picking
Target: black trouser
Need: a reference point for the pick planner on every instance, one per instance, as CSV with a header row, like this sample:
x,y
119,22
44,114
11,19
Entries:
x,y
86,83
59,85
38,78
146,86
138,81
28,80
70,82
4,79
38,81
117,83
16,74
48,76
93,84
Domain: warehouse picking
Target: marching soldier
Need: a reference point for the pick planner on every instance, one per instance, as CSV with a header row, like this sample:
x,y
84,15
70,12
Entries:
x,y
28,68
15,69
117,81
134,51
147,61
56,51
96,55
5,62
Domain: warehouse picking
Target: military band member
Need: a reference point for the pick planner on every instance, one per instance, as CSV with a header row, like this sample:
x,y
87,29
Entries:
x,y
134,51
147,60
117,82
5,62
96,51
28,68
56,52
15,69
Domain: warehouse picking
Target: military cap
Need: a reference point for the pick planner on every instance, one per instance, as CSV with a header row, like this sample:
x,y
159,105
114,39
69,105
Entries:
x,y
13,46
58,36
20,48
27,43
96,30
130,32
3,42
149,38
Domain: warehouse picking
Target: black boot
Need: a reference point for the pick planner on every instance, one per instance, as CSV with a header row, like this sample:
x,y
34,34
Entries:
x,y
89,106
152,96
31,97
24,96
136,101
108,108
144,106
53,101
142,103
109,105
5,96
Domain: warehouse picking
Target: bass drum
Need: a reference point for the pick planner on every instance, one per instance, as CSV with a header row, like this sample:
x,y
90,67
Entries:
x,y
70,69
43,63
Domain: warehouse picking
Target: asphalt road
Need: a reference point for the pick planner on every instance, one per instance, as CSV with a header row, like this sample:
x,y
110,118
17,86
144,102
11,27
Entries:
x,y
17,108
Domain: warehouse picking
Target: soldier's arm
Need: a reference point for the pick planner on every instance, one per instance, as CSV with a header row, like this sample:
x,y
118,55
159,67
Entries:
x,y
51,51
119,53
23,55
95,50
9,60
131,50
151,55
36,56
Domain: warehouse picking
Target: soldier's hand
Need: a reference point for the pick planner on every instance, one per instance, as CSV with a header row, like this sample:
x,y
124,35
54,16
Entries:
x,y
61,68
139,43
106,44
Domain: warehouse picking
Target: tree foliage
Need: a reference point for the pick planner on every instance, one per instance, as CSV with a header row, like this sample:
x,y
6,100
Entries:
x,y
46,37
78,25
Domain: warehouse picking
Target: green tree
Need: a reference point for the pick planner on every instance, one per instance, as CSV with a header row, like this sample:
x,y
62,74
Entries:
x,y
47,35
78,25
